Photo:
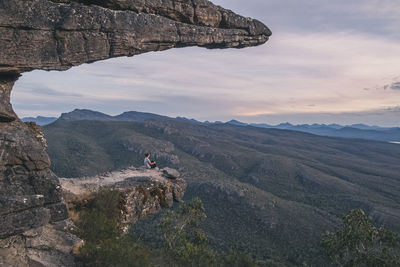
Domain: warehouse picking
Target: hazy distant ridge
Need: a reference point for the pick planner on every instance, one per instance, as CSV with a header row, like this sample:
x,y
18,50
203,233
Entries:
x,y
361,131
40,120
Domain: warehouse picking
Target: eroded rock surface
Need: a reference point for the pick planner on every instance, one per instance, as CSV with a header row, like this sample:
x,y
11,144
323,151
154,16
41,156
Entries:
x,y
144,191
30,200
7,81
48,245
43,34
59,34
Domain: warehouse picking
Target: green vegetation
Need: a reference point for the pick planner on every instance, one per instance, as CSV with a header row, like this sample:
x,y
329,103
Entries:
x,y
104,243
267,192
360,243
184,242
357,243
183,237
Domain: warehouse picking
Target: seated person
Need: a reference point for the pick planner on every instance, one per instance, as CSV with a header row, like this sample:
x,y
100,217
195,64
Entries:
x,y
149,164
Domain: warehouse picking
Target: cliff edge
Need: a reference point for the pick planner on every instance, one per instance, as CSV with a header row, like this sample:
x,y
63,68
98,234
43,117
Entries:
x,y
144,192
60,34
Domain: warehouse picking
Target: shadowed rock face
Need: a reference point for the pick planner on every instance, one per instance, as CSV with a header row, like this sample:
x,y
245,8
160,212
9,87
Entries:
x,y
59,34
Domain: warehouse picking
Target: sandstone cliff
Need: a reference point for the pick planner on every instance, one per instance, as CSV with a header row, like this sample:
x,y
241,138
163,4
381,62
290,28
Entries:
x,y
43,34
33,222
59,34
144,191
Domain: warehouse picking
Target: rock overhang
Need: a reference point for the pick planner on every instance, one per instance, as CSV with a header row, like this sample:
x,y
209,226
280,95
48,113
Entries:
x,y
194,12
59,34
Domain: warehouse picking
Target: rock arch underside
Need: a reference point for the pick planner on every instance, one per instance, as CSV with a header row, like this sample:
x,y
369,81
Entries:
x,y
60,34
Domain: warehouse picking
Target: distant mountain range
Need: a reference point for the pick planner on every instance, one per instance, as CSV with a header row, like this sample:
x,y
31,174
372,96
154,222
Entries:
x,y
360,131
40,120
270,192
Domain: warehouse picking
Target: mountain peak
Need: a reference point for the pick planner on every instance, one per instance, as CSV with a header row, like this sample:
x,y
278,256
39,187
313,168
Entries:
x,y
84,114
138,116
40,120
236,122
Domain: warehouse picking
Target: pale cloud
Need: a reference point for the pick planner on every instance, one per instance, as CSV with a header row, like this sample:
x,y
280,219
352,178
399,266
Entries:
x,y
325,57
378,17
395,86
330,70
387,117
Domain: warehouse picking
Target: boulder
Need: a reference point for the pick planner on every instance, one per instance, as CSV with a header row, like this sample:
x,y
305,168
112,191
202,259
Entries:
x,y
170,173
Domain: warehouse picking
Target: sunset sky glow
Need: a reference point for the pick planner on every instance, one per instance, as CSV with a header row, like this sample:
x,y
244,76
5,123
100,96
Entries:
x,y
326,62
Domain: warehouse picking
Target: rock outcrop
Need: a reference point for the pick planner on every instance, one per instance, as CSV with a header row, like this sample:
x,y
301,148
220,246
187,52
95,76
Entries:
x,y
143,191
33,215
7,81
56,35
59,34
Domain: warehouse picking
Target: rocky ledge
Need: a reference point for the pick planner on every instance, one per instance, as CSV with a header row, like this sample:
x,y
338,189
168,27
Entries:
x,y
143,191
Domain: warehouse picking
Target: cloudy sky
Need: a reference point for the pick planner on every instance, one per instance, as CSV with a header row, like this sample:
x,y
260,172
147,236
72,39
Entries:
x,y
327,62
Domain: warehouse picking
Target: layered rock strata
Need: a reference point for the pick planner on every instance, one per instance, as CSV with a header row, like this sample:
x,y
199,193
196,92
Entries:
x,y
143,191
59,34
43,34
7,81
31,208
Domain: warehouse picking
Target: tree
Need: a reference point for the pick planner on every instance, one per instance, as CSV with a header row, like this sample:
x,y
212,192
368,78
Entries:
x,y
183,238
360,243
237,259
104,243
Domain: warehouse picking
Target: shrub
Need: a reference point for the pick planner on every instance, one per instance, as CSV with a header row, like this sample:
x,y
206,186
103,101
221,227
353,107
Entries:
x,y
99,226
184,240
360,243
